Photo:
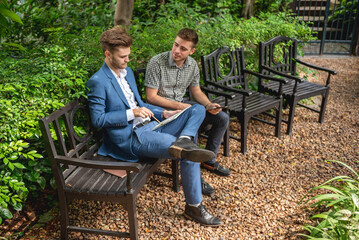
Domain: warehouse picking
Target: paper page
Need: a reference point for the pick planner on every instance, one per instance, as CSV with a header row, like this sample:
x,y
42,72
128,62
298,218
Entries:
x,y
170,119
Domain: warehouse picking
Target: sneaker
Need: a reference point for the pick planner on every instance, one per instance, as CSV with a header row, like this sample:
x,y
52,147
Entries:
x,y
186,148
207,189
201,215
216,168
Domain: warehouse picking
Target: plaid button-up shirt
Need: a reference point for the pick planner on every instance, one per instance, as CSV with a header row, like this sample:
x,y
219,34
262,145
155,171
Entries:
x,y
163,74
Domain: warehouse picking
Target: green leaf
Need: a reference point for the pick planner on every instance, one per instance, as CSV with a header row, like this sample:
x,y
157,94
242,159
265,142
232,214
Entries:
x,y
5,213
355,200
11,15
42,182
17,206
19,165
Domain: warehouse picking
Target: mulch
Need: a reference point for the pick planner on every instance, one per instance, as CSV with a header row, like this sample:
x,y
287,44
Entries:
x,y
260,200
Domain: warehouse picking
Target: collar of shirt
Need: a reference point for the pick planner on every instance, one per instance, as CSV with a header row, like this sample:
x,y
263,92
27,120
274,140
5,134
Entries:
x,y
173,63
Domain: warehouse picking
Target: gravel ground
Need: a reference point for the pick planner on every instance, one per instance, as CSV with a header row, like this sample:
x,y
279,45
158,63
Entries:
x,y
260,199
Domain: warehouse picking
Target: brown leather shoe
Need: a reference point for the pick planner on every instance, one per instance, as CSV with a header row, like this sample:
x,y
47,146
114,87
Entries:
x,y
186,148
201,215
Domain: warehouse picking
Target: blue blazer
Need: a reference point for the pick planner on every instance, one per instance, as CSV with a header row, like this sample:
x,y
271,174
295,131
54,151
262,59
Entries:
x,y
108,106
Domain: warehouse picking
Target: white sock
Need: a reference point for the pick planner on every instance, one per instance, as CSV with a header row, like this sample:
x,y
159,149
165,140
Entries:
x,y
188,137
194,205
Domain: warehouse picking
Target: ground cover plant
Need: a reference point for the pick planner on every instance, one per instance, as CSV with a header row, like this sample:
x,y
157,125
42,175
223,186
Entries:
x,y
340,218
56,50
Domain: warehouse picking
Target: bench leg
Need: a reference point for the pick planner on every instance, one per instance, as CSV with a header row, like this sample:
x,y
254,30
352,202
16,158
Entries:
x,y
278,120
323,106
244,126
292,105
64,216
132,218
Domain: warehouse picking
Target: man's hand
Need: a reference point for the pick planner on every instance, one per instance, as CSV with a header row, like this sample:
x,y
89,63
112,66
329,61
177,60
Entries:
x,y
142,112
169,113
213,108
183,105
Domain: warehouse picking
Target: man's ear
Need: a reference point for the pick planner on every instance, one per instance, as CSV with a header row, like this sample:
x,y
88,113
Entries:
x,y
107,53
192,51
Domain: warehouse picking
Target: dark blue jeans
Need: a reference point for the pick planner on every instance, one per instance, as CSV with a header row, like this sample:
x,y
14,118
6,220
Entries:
x,y
218,125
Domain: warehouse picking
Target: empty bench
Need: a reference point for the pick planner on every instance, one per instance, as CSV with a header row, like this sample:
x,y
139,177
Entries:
x,y
79,171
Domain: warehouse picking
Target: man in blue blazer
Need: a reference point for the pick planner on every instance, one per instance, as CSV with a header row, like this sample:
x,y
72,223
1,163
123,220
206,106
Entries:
x,y
116,107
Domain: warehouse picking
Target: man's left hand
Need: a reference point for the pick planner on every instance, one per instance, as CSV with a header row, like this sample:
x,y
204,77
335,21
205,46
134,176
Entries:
x,y
213,108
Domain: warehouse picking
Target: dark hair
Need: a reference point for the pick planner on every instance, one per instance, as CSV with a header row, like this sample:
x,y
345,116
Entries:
x,y
115,37
188,35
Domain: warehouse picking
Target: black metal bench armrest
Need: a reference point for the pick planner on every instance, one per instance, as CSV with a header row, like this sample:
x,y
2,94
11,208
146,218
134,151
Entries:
x,y
235,90
266,76
333,72
297,79
223,94
128,166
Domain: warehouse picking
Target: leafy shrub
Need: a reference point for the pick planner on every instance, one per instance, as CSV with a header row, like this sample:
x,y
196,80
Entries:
x,y
62,42
31,88
341,219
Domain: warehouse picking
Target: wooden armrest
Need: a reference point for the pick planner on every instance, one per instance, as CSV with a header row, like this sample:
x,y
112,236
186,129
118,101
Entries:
x,y
333,72
236,90
298,79
128,166
266,76
223,94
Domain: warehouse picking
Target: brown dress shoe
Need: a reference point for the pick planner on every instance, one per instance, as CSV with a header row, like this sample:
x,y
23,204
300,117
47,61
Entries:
x,y
201,215
186,148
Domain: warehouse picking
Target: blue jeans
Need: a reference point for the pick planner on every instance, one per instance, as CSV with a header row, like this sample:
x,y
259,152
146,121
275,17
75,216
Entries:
x,y
219,124
155,144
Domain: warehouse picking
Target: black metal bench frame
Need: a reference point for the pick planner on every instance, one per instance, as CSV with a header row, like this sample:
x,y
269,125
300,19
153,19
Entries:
x,y
78,170
297,88
242,102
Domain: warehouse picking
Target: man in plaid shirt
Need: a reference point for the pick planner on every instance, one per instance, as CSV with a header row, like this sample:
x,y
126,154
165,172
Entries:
x,y
168,75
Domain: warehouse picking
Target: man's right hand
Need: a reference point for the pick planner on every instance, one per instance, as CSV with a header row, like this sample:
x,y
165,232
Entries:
x,y
182,106
169,113
142,112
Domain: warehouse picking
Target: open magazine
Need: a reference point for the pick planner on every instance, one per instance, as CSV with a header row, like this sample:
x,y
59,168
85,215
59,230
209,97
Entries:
x,y
170,119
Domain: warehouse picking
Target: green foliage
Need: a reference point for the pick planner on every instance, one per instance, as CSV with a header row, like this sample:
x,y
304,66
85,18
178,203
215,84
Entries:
x,y
341,219
6,17
30,89
60,40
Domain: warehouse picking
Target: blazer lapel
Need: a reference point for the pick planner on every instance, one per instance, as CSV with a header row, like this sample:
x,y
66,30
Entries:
x,y
115,84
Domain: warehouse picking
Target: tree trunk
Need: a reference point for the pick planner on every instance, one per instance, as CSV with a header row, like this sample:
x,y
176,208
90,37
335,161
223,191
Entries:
x,y
248,9
123,13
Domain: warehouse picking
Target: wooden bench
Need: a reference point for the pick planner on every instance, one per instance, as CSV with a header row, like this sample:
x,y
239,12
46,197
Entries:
x,y
79,171
278,57
224,70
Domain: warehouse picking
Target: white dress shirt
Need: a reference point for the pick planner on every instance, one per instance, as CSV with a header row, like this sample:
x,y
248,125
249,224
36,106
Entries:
x,y
130,97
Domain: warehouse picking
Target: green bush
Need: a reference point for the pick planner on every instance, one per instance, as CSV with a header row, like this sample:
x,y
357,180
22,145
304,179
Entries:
x,y
341,217
30,89
62,52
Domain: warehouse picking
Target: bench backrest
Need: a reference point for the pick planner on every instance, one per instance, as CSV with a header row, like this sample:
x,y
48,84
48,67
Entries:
x,y
278,54
60,133
225,67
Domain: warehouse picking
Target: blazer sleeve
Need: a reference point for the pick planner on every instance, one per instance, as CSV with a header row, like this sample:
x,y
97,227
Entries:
x,y
104,111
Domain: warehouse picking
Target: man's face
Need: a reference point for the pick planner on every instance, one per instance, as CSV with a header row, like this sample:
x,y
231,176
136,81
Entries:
x,y
181,49
119,58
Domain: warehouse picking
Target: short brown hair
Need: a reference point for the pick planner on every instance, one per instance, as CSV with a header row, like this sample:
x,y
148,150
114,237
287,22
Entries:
x,y
189,35
115,37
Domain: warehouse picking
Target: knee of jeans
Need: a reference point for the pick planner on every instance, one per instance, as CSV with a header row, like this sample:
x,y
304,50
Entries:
x,y
198,108
224,118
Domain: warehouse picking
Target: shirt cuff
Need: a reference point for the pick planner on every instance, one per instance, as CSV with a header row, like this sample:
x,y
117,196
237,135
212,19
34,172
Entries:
x,y
130,115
